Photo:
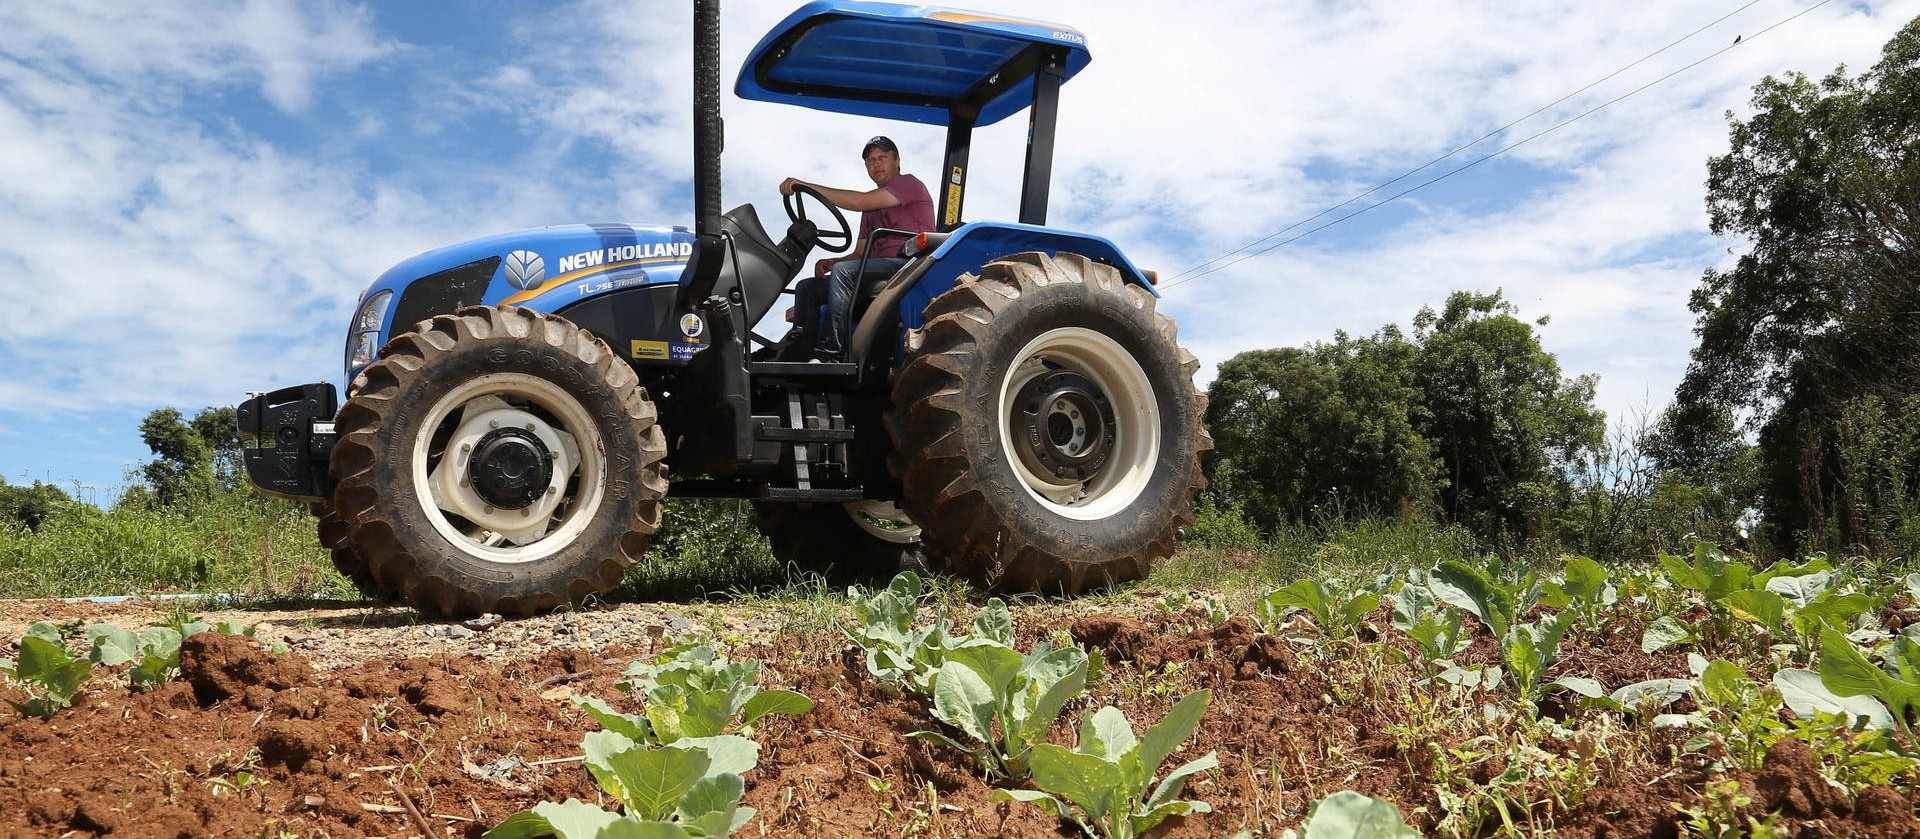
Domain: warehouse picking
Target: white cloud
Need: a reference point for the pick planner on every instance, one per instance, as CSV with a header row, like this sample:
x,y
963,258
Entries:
x,y
281,45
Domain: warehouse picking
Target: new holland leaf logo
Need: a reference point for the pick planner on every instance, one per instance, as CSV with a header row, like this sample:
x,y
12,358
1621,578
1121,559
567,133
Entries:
x,y
525,269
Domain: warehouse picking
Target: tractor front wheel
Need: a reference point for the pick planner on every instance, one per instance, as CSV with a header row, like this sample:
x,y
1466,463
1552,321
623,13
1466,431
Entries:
x,y
1046,427
499,460
337,538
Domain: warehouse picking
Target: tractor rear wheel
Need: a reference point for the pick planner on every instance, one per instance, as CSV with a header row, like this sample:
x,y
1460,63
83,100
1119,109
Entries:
x,y
840,540
499,460
1046,428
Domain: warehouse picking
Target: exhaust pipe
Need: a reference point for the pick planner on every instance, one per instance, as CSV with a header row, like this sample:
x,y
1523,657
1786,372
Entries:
x,y
708,133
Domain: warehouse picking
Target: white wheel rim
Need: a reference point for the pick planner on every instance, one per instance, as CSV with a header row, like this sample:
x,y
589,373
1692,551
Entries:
x,y
884,520
1136,416
456,510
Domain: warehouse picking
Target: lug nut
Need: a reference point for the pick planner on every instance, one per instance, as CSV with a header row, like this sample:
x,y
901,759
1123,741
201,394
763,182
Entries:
x,y
493,423
489,510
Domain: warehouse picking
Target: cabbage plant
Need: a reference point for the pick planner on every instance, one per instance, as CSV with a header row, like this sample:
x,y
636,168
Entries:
x,y
1105,784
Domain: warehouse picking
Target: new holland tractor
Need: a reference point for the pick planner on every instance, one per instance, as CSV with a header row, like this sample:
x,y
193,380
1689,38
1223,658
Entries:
x,y
1011,408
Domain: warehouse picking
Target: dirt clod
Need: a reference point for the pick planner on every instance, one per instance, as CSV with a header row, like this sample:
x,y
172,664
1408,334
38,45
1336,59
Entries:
x,y
223,666
1790,781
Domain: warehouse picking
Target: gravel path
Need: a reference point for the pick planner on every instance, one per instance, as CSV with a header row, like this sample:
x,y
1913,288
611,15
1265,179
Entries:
x,y
333,635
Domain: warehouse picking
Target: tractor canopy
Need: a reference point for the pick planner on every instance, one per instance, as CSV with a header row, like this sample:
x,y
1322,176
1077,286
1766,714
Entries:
x,y
924,64
910,63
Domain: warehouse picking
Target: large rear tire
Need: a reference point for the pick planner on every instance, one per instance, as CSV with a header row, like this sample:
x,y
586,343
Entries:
x,y
861,538
499,460
1046,428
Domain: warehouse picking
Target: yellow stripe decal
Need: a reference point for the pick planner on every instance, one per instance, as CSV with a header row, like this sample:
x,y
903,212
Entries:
x,y
583,273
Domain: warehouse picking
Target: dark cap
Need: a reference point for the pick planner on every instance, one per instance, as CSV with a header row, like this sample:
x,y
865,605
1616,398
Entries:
x,y
883,143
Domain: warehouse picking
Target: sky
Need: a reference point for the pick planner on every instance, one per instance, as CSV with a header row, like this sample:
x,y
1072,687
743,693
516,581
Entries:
x,y
194,193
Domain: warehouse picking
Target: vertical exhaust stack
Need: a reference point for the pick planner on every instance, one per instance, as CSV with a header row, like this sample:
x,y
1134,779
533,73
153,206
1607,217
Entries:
x,y
708,137
708,133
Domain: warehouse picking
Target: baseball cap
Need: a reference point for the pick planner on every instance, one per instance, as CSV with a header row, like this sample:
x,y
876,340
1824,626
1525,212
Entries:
x,y
885,145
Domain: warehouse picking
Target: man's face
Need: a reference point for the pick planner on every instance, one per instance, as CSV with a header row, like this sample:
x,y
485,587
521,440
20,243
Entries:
x,y
882,165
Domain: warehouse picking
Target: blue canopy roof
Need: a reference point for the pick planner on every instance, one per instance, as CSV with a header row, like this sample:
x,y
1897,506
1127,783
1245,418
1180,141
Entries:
x,y
910,63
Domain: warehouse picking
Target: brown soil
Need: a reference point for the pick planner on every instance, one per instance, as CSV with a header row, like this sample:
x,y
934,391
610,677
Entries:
x,y
348,734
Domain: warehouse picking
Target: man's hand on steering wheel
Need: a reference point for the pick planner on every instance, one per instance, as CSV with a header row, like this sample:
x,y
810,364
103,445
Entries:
x,y
833,240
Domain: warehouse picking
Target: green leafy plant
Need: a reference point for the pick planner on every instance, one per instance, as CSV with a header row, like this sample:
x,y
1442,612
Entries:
x,y
1582,589
689,789
1529,650
1846,672
1350,815
50,676
1217,613
1740,715
1665,632
896,652
1436,631
1105,784
1496,603
1720,815
1003,700
154,654
1337,608
692,691
1636,698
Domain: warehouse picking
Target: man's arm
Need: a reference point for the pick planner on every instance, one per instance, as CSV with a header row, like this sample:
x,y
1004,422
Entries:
x,y
877,198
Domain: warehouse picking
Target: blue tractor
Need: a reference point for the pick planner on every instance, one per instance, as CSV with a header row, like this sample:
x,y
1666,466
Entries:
x,y
1010,407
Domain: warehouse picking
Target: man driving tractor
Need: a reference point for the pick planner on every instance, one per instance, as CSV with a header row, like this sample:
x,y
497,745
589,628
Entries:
x,y
897,202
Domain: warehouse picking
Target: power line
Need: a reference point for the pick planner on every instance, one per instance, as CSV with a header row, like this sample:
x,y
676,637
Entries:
x,y
1470,144
1195,272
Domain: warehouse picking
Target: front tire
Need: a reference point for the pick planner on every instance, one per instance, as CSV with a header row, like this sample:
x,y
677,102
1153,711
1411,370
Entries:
x,y
499,460
337,538
1046,428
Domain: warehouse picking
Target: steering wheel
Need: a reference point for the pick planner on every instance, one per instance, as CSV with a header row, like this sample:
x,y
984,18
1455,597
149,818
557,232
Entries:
x,y
833,241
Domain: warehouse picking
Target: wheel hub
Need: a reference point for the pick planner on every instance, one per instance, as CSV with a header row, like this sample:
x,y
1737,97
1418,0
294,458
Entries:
x,y
510,468
506,470
1066,427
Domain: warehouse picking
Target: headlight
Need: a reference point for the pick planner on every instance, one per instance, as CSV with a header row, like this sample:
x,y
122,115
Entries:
x,y
363,335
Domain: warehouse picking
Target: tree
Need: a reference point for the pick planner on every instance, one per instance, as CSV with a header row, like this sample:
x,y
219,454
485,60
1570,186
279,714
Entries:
x,y
1823,181
191,457
219,428
1326,428
1508,430
1471,420
182,467
30,506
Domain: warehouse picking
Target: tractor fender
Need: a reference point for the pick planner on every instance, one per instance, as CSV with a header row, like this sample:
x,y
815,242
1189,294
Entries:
x,y
973,245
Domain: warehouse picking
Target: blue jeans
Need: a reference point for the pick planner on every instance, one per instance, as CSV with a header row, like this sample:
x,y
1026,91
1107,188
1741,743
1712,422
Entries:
x,y
842,285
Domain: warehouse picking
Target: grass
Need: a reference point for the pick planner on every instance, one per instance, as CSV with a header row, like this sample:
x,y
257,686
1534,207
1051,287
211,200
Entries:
x,y
229,543
260,548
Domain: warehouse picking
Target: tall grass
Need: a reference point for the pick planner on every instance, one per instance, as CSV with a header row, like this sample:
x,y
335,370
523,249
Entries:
x,y
708,549
228,542
1246,567
257,547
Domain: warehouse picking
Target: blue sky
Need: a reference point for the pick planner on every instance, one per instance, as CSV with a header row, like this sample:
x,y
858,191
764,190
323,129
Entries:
x,y
193,193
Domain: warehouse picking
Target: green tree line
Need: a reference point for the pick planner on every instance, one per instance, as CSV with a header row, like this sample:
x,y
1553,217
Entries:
x,y
1796,427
